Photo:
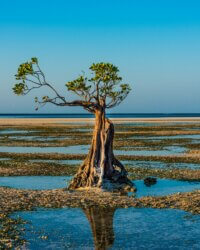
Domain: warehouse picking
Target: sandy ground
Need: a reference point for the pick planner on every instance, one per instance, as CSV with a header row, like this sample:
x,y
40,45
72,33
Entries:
x,y
61,121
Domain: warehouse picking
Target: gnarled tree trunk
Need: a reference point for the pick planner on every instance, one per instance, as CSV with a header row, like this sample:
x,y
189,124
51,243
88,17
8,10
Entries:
x,y
101,168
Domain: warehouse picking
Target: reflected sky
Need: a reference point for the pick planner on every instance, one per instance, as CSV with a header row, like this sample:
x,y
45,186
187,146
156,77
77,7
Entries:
x,y
161,187
103,228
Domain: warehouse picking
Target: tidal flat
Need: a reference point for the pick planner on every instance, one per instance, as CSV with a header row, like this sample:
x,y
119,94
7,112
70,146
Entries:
x,y
38,159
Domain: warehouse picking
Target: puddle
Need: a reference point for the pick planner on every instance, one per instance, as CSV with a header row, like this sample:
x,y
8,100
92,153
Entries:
x,y
164,187
109,228
158,124
28,137
172,150
83,149
35,182
77,149
142,164
193,136
5,159
155,164
83,129
36,138
193,128
139,124
67,162
11,131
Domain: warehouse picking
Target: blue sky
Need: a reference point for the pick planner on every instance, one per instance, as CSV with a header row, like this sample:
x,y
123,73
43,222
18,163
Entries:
x,y
155,44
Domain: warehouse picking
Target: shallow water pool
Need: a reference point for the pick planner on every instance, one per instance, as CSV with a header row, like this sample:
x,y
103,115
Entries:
x,y
156,164
130,163
171,150
167,137
162,187
103,228
13,131
165,187
77,149
5,159
83,149
35,182
68,162
37,138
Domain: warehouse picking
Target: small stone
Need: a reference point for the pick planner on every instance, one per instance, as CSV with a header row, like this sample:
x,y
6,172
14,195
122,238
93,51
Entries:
x,y
149,181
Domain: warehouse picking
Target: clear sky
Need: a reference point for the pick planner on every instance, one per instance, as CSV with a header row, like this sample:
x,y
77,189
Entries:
x,y
155,44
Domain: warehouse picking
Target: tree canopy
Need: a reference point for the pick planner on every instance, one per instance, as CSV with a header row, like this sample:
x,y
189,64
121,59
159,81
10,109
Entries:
x,y
103,89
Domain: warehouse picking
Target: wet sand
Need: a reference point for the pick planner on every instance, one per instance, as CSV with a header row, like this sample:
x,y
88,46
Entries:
x,y
63,121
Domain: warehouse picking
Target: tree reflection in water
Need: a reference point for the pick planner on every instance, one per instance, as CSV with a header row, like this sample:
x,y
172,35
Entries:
x,y
101,222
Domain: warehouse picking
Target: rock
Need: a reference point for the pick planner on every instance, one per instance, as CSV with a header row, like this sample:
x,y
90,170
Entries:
x,y
149,181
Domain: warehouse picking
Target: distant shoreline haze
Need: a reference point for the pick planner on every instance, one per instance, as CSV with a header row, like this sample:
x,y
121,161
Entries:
x,y
111,115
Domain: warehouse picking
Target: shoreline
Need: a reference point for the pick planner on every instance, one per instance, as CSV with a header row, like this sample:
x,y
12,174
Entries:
x,y
62,121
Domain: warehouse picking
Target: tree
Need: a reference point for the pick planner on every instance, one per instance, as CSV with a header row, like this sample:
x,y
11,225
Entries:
x,y
103,90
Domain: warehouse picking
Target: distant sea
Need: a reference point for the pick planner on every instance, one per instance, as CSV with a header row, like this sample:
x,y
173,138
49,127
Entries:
x,y
111,115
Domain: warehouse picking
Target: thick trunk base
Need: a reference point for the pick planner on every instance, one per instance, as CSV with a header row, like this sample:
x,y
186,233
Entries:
x,y
101,168
118,181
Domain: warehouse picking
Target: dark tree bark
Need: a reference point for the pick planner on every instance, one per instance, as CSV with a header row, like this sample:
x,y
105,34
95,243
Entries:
x,y
101,168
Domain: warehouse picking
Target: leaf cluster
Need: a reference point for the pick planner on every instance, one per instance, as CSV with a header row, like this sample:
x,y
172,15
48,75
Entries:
x,y
104,86
103,89
24,70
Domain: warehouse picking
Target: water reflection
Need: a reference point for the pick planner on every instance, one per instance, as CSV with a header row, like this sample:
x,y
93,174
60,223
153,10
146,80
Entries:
x,y
110,228
69,228
101,222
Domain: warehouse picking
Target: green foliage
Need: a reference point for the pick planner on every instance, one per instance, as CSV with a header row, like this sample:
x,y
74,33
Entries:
x,y
78,85
34,60
45,98
19,88
105,72
104,85
24,70
103,89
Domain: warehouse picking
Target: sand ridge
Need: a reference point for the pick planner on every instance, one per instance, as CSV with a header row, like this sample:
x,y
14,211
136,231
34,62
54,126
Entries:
x,y
62,121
